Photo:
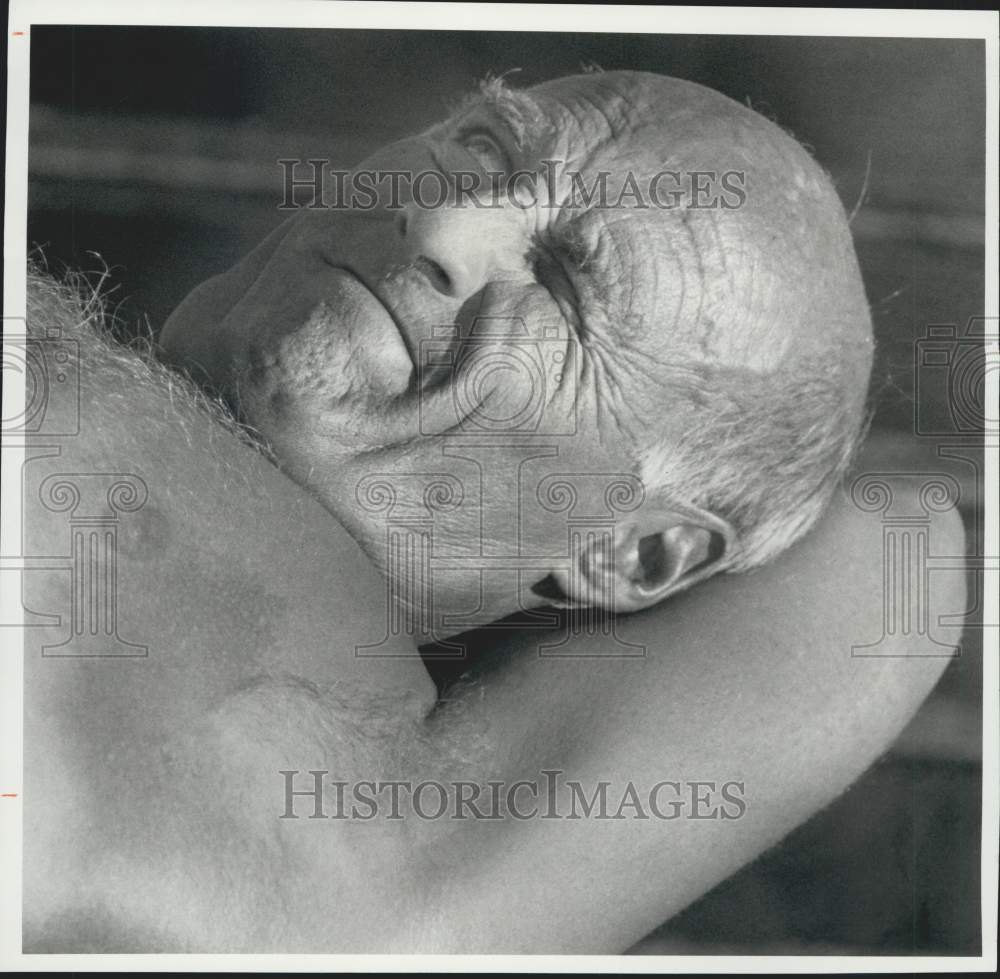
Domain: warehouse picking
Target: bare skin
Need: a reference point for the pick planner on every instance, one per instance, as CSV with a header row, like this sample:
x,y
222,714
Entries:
x,y
153,796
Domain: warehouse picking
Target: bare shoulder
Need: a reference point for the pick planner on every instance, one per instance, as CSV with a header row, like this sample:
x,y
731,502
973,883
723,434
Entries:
x,y
177,638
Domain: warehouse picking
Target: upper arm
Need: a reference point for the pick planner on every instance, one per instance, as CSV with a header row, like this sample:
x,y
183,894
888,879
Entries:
x,y
768,682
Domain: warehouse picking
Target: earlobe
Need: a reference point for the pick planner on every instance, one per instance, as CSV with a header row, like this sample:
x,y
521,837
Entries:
x,y
639,566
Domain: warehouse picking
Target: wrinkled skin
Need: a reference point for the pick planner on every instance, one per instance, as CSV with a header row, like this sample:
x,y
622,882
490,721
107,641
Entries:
x,y
152,787
316,335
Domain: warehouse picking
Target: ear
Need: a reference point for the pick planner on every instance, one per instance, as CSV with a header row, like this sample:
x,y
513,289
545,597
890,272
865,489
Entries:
x,y
641,564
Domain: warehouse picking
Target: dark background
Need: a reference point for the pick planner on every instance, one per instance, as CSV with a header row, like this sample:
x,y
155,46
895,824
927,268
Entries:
x,y
153,152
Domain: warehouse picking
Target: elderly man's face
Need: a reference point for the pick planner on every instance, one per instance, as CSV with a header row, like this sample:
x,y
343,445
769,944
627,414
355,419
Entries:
x,y
451,367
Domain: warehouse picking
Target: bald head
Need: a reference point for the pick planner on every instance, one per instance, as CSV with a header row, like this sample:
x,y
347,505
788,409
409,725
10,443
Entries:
x,y
760,323
720,350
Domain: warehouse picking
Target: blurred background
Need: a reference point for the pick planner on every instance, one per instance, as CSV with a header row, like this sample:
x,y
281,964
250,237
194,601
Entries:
x,y
153,153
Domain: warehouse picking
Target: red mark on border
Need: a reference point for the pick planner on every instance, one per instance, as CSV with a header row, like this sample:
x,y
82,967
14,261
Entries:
x,y
8,795
17,33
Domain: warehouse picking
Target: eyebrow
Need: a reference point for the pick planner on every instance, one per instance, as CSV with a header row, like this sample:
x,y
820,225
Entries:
x,y
520,112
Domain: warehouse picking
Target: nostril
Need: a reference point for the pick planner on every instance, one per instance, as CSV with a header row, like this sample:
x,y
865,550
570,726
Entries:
x,y
437,275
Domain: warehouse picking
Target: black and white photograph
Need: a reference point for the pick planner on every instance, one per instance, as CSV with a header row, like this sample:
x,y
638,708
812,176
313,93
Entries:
x,y
499,487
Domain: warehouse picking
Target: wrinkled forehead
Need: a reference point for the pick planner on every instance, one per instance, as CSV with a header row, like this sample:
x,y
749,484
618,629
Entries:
x,y
602,130
771,246
611,118
597,120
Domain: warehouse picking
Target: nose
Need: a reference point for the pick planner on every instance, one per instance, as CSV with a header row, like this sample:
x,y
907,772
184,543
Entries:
x,y
462,249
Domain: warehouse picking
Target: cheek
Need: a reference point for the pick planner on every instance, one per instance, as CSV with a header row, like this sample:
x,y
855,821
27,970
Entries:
x,y
520,353
340,358
337,360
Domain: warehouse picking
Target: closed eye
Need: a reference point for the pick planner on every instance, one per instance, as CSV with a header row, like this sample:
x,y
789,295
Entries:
x,y
485,150
551,265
